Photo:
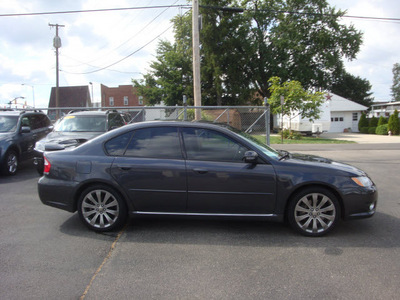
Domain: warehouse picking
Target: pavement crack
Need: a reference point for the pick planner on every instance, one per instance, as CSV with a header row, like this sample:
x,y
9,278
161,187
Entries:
x,y
113,245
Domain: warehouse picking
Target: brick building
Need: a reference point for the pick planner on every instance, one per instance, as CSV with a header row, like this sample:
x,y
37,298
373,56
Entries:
x,y
123,95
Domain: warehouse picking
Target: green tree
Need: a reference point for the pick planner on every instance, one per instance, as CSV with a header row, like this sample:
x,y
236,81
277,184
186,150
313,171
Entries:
x,y
396,82
297,100
301,40
353,88
393,124
363,122
373,122
170,75
382,121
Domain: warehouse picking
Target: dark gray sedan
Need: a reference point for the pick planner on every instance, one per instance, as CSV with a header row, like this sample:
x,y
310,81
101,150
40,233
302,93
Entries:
x,y
197,169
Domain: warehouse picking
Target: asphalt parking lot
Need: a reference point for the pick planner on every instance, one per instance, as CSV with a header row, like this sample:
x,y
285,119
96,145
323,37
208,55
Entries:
x,y
46,253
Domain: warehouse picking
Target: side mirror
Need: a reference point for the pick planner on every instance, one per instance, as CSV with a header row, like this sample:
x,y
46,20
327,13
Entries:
x,y
53,147
250,157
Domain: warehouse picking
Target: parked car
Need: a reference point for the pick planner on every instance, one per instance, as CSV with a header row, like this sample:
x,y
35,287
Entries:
x,y
196,169
19,131
75,128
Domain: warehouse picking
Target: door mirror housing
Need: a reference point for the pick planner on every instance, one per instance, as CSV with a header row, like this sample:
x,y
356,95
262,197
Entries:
x,y
250,157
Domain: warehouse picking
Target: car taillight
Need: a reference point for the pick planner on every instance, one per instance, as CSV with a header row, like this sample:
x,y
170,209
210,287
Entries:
x,y
47,166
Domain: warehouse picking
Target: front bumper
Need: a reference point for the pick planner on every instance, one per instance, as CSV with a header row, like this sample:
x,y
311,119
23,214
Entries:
x,y
361,204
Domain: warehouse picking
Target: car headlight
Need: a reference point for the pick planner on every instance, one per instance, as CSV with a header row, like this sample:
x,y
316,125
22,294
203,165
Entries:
x,y
363,181
39,146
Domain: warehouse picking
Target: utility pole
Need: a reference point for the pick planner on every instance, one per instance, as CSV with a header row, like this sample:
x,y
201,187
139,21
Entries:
x,y
196,58
57,44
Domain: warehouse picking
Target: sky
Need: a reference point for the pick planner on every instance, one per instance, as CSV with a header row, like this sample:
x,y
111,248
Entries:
x,y
91,42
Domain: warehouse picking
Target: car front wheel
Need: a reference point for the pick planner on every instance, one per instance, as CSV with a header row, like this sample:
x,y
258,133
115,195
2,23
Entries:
x,y
314,212
10,163
102,209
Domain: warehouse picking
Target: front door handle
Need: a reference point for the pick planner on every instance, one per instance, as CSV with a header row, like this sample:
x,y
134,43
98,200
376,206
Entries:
x,y
200,171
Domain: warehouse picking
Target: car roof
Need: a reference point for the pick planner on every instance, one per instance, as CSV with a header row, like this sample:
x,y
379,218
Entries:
x,y
17,113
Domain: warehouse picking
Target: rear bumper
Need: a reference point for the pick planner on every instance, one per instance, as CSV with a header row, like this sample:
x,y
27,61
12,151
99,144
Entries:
x,y
54,194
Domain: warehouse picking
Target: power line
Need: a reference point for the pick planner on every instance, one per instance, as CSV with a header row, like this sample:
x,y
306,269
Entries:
x,y
233,9
92,10
122,59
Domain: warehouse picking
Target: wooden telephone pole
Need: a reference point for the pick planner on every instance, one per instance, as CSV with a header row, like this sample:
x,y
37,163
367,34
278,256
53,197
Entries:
x,y
57,44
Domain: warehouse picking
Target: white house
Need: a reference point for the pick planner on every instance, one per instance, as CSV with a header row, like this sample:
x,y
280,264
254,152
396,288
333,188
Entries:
x,y
338,114
345,114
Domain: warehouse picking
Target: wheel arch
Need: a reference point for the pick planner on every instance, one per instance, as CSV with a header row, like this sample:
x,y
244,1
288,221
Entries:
x,y
95,182
314,185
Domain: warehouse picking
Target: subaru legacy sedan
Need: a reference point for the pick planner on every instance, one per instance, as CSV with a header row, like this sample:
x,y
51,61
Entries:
x,y
197,169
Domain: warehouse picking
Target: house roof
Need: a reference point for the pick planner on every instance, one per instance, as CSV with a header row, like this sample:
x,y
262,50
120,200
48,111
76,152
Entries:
x,y
71,96
338,103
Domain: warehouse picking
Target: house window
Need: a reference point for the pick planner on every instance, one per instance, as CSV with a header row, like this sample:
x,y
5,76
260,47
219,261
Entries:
x,y
111,101
341,119
140,100
126,102
355,116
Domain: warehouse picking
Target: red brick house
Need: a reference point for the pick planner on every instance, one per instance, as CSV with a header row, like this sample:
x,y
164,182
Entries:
x,y
121,96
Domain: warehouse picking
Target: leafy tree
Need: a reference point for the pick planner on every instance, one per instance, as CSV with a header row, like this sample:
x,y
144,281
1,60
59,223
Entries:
x,y
300,40
396,82
297,100
353,88
170,75
393,124
363,122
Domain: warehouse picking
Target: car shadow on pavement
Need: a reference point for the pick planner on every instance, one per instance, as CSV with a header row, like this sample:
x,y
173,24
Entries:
x,y
381,231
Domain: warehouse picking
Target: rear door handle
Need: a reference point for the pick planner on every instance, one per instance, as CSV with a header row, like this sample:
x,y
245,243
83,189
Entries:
x,y
125,168
200,171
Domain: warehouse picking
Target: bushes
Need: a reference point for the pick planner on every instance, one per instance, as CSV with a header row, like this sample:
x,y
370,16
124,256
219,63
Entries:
x,y
382,129
290,135
373,122
371,130
382,121
364,129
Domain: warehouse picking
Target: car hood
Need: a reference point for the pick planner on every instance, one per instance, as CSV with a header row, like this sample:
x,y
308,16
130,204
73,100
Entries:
x,y
68,139
5,135
307,159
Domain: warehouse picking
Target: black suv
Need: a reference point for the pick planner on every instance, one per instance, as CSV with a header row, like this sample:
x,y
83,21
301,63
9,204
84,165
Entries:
x,y
19,131
74,129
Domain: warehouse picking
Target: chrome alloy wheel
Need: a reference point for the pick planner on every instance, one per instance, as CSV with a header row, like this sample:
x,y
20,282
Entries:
x,y
11,163
100,209
315,213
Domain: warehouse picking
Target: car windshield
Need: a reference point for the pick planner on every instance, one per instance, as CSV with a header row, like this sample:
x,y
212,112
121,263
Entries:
x,y
82,124
8,123
271,152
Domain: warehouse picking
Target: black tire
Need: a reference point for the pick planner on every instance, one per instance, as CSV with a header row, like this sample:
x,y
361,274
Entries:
x,y
102,209
314,211
10,165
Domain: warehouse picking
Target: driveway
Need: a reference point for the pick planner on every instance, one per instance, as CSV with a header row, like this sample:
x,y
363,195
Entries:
x,y
360,138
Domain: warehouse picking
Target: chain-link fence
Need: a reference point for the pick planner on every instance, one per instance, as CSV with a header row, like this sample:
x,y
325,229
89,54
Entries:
x,y
250,119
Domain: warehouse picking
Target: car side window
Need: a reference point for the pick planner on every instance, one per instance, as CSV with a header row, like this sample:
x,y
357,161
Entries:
x,y
114,121
117,145
157,142
25,122
210,145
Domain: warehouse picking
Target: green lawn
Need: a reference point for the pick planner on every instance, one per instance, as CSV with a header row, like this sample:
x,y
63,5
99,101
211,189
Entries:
x,y
304,140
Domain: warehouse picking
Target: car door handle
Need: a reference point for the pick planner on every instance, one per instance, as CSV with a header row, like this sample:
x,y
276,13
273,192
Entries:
x,y
124,168
200,171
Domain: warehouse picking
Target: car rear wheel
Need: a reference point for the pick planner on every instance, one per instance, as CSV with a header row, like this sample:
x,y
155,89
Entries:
x,y
314,212
10,163
102,209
